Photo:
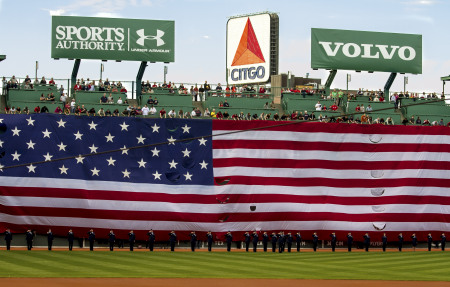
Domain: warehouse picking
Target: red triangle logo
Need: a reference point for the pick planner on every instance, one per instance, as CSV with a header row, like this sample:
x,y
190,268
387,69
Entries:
x,y
248,51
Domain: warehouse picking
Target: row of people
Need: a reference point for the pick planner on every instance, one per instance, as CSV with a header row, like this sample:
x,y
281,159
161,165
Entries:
x,y
282,240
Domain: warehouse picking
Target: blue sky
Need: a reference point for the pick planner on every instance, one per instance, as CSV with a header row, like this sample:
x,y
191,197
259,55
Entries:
x,y
201,30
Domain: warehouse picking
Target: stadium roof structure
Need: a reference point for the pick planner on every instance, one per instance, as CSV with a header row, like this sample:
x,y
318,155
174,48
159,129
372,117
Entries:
x,y
2,57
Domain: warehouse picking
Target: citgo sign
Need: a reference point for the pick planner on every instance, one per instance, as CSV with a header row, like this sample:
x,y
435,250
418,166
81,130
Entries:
x,y
113,39
366,51
248,49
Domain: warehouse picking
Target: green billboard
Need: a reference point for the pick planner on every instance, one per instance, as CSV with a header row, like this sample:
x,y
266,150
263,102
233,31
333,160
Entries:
x,y
113,39
366,51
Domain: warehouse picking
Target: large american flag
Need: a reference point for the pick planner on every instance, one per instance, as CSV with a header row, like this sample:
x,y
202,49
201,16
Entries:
x,y
119,173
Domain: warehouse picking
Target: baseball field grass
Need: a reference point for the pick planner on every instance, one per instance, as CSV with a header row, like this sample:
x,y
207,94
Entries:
x,y
418,266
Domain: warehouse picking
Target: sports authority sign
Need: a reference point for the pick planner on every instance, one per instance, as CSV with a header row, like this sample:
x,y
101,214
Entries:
x,y
366,51
248,49
113,39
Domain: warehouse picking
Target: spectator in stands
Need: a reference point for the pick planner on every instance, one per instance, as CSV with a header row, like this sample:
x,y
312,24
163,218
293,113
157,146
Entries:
x,y
91,112
225,115
294,116
226,104
50,97
43,81
276,117
207,113
119,101
37,110
12,110
102,88
27,85
418,121
213,114
201,93
82,111
318,106
219,115
42,98
44,110
181,114
110,99
14,82
162,113
441,122
67,109
91,87
155,102
150,101
358,108
101,112
334,107
221,104
63,99
362,108
172,114
116,113
324,108
26,111
18,110
123,90
103,99
219,88
412,120
72,106
114,89
262,90
51,82
77,87
364,119
306,116
272,105
369,108
145,110
206,87
152,110
426,122
198,113
266,106
58,110
108,113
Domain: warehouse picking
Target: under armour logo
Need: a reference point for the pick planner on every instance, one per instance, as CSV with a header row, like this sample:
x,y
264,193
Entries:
x,y
143,37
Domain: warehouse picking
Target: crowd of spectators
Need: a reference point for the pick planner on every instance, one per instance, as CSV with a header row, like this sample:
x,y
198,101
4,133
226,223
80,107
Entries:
x,y
106,86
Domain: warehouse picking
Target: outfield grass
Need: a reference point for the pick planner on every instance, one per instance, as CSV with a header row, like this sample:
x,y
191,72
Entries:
x,y
426,266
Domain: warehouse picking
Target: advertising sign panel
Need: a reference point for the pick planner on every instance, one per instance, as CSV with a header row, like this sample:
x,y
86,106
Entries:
x,y
113,39
366,51
248,49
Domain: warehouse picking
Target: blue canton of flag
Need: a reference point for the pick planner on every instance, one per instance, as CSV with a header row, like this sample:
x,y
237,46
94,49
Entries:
x,y
55,146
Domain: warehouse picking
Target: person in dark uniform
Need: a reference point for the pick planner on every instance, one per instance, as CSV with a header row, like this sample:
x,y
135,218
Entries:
x,y
193,240
333,242
284,236
91,238
29,237
366,242
247,241
132,239
151,239
414,241
280,242
8,239
229,238
209,239
70,238
443,240
298,239
274,242
384,240
255,239
111,240
265,240
289,239
349,241
315,241
430,241
172,240
50,239
400,242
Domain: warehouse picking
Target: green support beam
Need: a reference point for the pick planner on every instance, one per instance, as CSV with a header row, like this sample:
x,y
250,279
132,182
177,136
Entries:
x,y
330,81
388,85
2,57
76,67
139,77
